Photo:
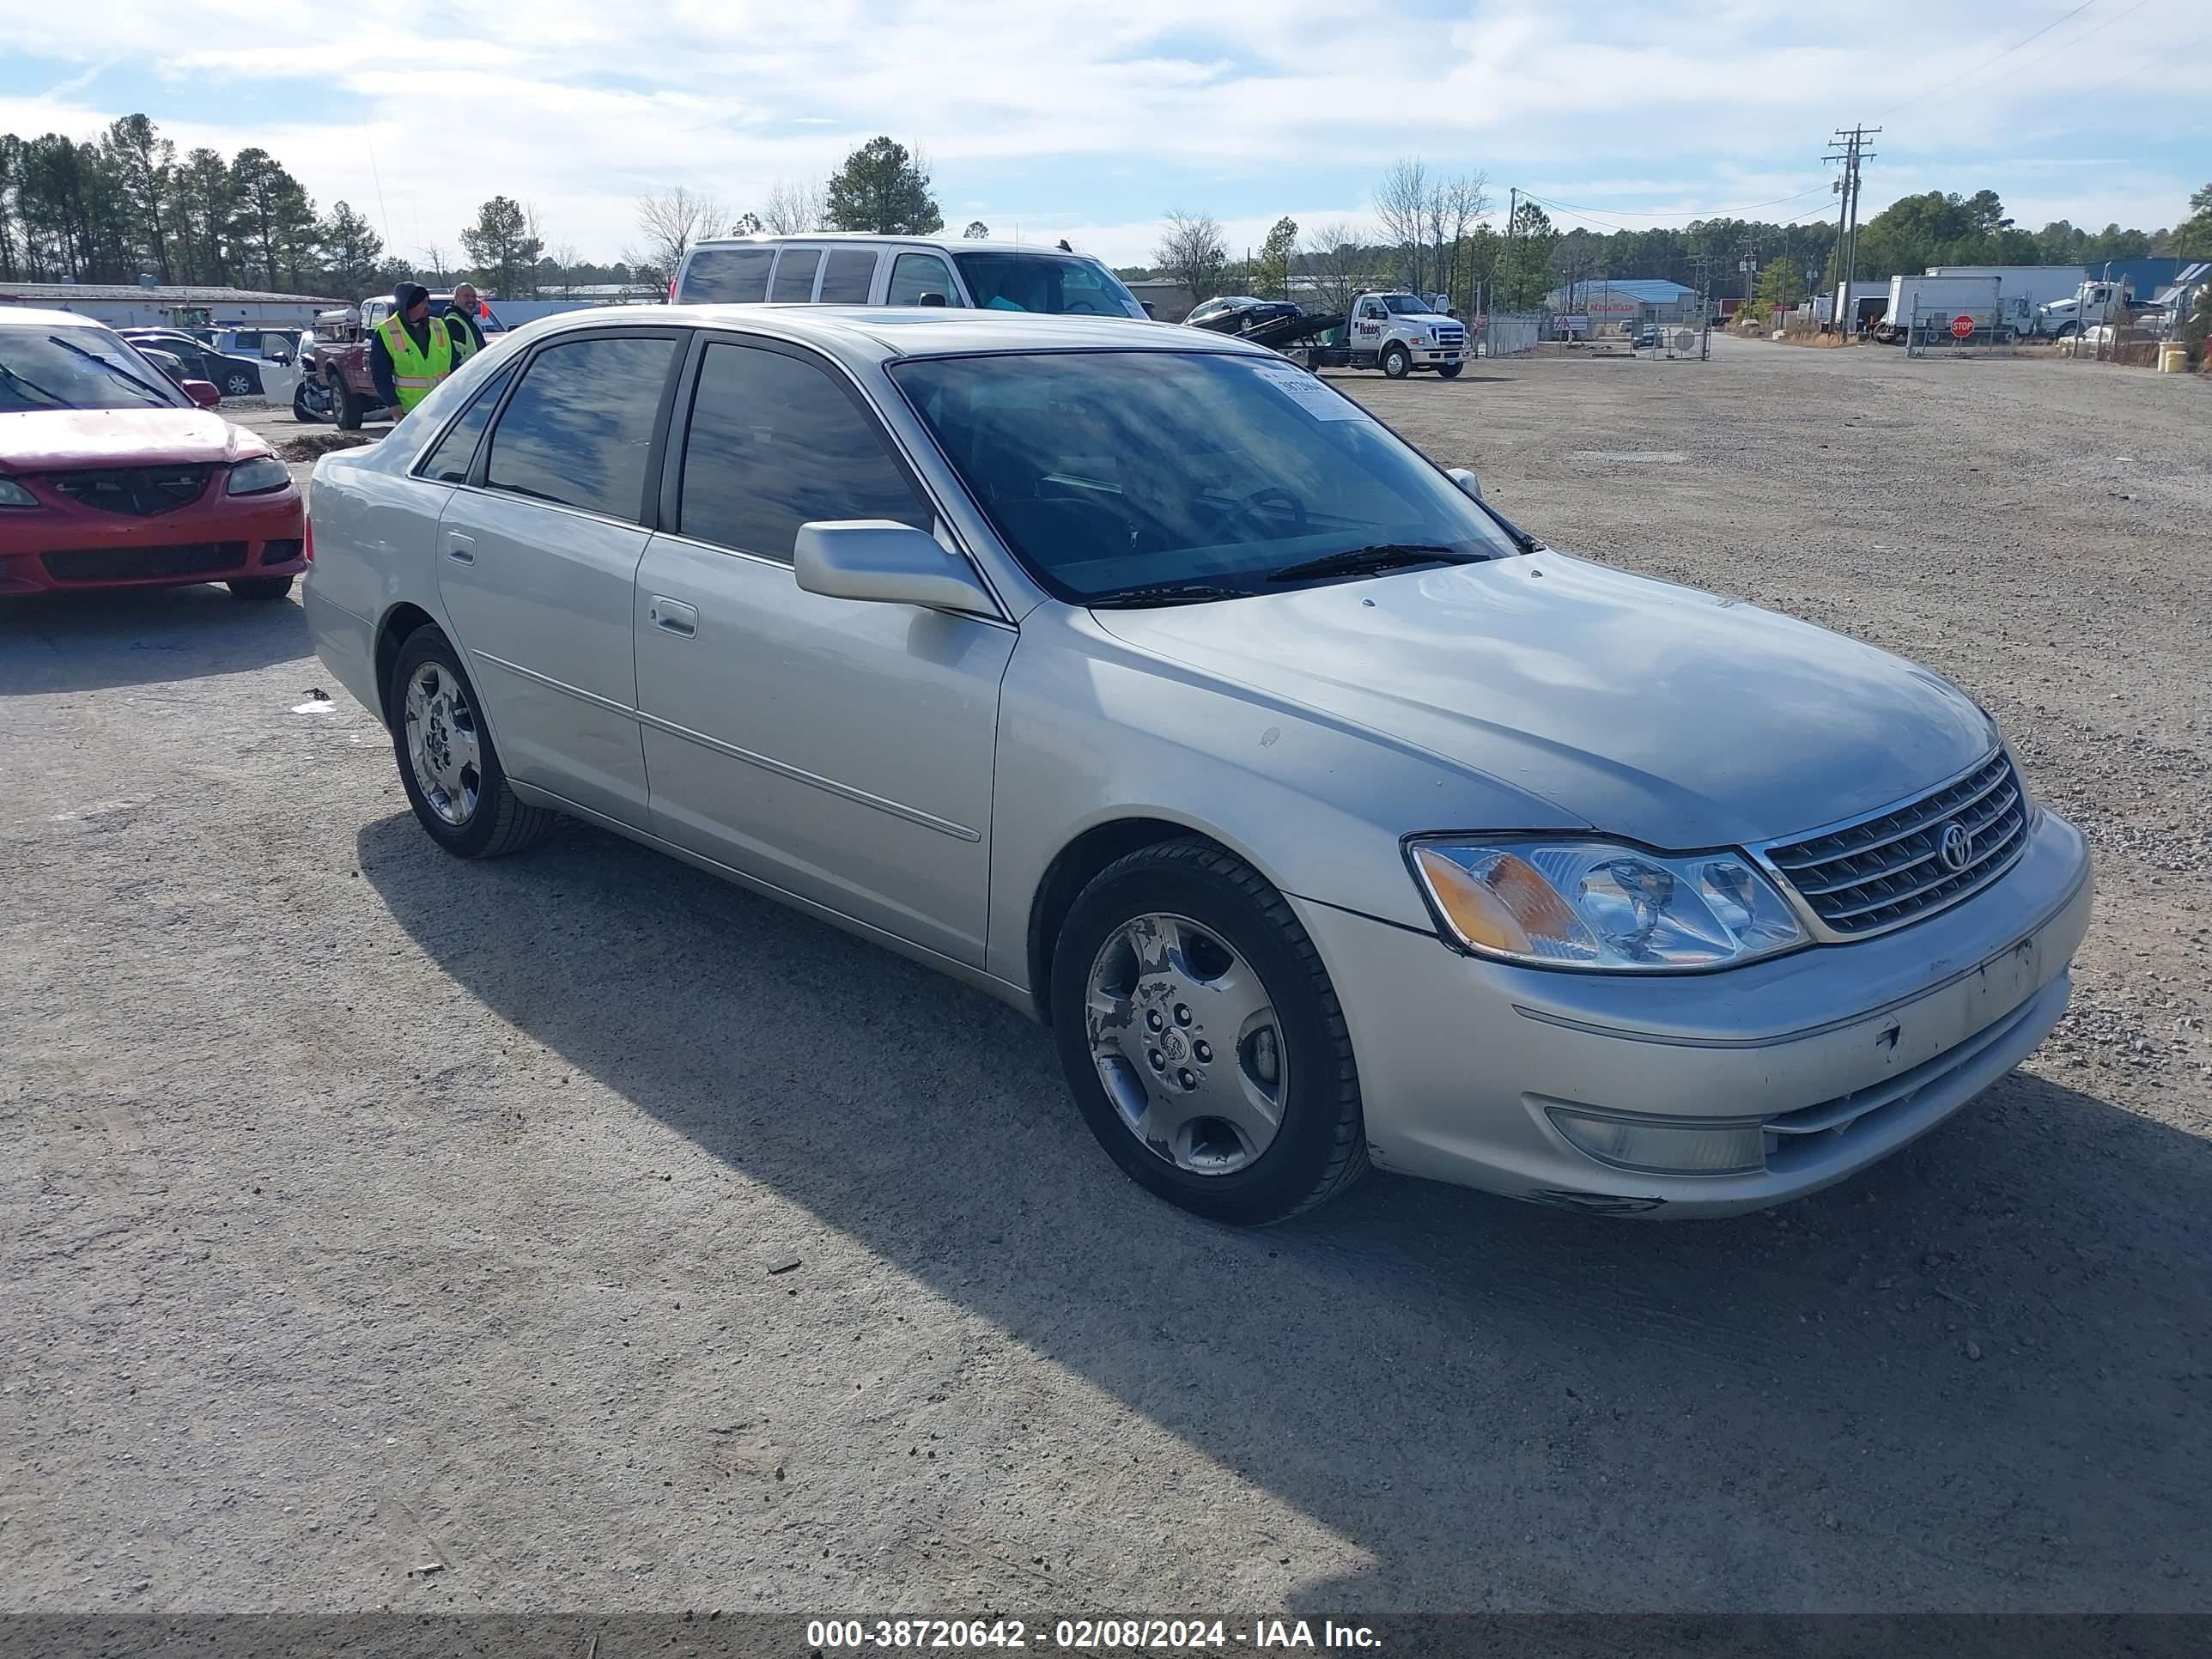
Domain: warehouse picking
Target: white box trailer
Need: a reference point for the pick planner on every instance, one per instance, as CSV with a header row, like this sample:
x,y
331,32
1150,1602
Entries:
x,y
2023,289
1929,297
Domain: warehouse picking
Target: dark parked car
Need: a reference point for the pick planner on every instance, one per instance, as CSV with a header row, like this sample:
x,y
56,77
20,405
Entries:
x,y
232,376
1233,314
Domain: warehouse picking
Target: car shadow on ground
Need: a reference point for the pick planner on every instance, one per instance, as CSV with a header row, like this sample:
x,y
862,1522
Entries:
x,y
90,641
1970,1377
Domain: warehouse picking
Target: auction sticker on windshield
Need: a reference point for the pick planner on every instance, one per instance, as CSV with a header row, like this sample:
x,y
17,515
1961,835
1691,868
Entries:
x,y
1316,397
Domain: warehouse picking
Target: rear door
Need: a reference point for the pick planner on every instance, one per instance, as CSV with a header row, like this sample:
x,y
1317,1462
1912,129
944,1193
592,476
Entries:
x,y
796,270
538,554
839,751
848,276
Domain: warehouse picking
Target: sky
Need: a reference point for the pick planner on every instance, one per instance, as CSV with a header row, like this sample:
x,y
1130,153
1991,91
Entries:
x,y
1090,122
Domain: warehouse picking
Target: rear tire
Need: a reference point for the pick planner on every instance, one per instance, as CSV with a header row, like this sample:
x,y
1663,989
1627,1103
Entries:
x,y
260,588
343,410
1397,361
447,764
1317,1145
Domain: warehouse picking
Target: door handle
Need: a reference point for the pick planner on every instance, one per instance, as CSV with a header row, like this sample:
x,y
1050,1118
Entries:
x,y
673,617
462,549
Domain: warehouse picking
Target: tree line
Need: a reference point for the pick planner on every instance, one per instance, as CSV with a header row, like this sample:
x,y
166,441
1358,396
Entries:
x,y
1432,233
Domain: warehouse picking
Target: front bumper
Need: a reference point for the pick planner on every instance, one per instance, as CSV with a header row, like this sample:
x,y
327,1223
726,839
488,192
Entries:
x,y
1431,355
217,539
1845,1053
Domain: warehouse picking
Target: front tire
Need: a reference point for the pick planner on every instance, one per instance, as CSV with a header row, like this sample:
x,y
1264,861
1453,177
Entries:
x,y
344,409
303,406
1397,361
260,588
451,771
1202,1039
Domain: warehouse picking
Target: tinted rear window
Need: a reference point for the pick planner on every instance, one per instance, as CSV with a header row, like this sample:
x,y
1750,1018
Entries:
x,y
847,275
794,274
726,276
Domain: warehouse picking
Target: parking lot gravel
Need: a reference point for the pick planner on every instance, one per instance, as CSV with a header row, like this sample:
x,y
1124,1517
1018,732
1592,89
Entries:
x,y
576,1232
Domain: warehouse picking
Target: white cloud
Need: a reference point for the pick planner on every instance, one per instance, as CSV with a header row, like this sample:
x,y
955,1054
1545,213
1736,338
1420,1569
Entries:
x,y
1640,115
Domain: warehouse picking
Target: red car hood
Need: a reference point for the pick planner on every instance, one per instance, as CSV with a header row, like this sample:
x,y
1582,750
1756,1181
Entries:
x,y
51,439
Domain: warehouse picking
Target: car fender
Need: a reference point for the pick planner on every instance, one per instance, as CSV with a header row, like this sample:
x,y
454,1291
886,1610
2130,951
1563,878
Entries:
x,y
375,534
1093,730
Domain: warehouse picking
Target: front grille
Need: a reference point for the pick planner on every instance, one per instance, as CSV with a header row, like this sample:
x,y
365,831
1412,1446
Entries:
x,y
1885,872
140,491
1451,337
110,564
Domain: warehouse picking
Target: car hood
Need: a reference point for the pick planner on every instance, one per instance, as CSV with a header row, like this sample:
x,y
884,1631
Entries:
x,y
1647,710
48,440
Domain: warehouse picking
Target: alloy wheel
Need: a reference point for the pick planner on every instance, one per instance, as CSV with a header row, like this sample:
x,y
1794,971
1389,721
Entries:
x,y
442,743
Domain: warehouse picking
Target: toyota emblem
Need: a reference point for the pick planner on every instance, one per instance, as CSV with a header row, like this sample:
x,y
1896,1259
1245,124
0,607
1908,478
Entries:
x,y
1956,847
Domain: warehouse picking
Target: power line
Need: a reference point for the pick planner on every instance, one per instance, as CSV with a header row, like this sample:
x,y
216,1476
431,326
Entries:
x,y
1986,62
1674,213
2165,55
2063,45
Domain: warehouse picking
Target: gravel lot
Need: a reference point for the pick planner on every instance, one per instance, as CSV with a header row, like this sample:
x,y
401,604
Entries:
x,y
575,1231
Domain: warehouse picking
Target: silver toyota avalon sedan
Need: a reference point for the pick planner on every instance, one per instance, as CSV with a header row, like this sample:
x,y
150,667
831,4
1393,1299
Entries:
x,y
1133,674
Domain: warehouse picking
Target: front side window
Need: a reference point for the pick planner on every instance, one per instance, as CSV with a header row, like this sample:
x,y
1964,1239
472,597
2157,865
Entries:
x,y
848,274
448,460
774,443
77,368
794,274
1110,471
914,275
1059,284
579,430
726,276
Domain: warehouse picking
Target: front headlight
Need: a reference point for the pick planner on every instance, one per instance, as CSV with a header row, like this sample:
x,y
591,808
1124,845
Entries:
x,y
13,494
258,476
1561,903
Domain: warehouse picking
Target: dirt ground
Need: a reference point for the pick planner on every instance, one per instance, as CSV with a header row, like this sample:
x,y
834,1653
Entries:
x,y
575,1231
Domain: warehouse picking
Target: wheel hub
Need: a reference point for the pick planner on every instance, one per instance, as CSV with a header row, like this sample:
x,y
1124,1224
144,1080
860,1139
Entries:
x,y
1184,1037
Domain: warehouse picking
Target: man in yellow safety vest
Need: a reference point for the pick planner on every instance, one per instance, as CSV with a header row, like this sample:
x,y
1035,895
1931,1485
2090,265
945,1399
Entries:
x,y
410,352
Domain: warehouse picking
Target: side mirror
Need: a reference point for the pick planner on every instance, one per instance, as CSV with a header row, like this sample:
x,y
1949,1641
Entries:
x,y
203,392
879,561
933,298
1467,481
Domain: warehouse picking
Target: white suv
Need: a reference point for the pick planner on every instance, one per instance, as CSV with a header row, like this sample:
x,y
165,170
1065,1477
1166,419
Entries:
x,y
842,268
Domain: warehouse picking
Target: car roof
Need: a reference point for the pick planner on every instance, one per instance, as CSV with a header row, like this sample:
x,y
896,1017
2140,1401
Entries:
x,y
948,244
35,316
879,333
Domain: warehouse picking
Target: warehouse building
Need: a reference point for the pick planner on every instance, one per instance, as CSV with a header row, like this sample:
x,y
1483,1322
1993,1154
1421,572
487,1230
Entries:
x,y
1612,303
148,304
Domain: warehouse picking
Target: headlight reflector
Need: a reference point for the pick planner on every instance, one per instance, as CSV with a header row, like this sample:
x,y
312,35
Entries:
x,y
1600,904
258,476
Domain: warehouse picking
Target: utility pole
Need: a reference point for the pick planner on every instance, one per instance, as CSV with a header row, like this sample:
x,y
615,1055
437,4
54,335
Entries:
x,y
1512,213
1850,149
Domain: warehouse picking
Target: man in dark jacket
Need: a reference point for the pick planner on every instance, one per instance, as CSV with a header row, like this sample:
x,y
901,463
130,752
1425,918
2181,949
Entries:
x,y
467,331
410,310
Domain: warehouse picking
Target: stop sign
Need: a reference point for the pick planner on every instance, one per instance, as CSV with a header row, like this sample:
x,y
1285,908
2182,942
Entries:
x,y
1962,326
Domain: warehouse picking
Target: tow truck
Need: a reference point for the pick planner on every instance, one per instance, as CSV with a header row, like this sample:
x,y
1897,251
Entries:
x,y
1398,333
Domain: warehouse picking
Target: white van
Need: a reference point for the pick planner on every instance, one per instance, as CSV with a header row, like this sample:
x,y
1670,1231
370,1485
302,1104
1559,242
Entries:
x,y
846,268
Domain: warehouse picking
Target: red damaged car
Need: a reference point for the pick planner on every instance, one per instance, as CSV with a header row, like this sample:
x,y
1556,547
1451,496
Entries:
x,y
112,476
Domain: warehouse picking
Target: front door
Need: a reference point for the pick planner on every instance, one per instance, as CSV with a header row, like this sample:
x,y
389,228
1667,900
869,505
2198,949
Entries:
x,y
538,555
838,749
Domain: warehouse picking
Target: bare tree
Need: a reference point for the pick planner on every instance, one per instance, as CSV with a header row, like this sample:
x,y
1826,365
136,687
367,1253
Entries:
x,y
564,269
1402,203
671,223
1191,252
1333,264
794,209
434,259
1456,207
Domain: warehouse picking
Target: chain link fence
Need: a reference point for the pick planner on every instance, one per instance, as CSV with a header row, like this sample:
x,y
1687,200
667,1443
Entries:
x,y
1950,331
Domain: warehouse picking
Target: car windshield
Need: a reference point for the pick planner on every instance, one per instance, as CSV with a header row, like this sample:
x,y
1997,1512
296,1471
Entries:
x,y
76,368
1122,474
1061,285
1408,305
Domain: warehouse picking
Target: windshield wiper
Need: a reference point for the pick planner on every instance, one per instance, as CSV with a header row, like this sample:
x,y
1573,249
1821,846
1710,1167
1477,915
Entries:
x,y
1383,555
1130,599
